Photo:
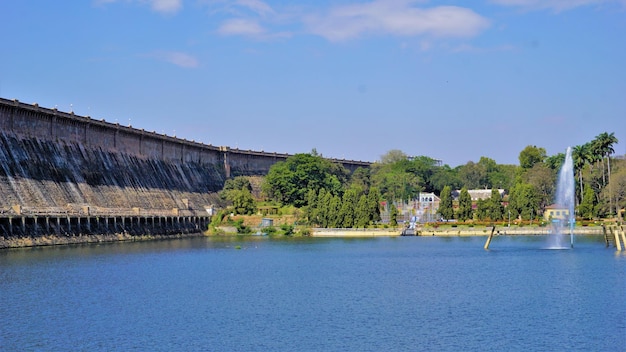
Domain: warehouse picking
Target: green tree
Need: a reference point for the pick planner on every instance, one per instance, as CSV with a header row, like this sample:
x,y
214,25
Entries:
x,y
581,155
465,205
496,210
482,209
288,182
324,210
362,216
393,215
544,180
334,219
586,209
445,204
373,205
235,184
310,211
243,202
524,201
393,156
348,208
361,179
473,175
445,176
531,155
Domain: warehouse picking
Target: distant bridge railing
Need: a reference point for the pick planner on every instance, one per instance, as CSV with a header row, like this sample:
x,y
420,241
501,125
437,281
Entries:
x,y
88,211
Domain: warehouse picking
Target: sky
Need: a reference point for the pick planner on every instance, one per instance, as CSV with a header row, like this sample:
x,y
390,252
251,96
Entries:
x,y
452,80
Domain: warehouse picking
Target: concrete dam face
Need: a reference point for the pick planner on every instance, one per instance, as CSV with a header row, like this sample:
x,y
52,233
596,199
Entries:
x,y
67,175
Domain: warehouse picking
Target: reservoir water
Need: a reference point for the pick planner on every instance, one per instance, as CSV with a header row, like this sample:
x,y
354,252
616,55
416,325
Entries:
x,y
311,294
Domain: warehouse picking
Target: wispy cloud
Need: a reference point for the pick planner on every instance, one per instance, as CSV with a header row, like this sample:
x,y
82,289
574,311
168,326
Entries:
x,y
395,17
555,5
166,6
241,26
177,58
346,22
256,6
161,6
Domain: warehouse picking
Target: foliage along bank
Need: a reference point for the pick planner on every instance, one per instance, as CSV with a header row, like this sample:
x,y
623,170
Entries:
x,y
330,196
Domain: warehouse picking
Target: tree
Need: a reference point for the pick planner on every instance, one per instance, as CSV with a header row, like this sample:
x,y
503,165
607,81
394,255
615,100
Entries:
x,y
531,155
555,162
361,179
603,145
465,205
289,181
362,217
524,201
310,211
617,186
482,209
393,215
496,210
473,176
445,204
444,176
581,156
235,184
348,207
324,209
586,209
373,204
242,200
393,156
543,179
334,219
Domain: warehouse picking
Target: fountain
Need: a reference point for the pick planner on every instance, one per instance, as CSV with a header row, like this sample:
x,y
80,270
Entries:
x,y
565,190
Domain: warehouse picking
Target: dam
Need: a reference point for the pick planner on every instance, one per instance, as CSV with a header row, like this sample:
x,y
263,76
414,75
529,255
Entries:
x,y
66,175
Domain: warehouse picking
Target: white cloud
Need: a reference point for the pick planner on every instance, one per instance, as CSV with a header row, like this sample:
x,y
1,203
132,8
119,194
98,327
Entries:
x,y
398,18
177,58
256,6
241,26
556,5
249,28
162,6
166,6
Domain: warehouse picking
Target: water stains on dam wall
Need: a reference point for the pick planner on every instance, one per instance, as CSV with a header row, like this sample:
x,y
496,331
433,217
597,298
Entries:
x,y
61,173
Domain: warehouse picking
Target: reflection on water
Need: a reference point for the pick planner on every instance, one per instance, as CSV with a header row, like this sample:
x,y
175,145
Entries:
x,y
368,294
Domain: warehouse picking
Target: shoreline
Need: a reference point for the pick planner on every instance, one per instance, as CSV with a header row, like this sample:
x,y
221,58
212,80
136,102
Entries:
x,y
54,240
452,232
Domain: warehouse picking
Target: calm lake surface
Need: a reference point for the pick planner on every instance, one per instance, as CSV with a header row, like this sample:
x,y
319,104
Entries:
x,y
312,294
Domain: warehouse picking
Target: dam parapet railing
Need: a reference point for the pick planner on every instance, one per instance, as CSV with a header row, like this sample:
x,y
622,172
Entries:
x,y
18,210
31,120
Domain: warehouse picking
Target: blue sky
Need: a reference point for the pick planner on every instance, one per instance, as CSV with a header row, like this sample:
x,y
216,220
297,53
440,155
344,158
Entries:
x,y
453,80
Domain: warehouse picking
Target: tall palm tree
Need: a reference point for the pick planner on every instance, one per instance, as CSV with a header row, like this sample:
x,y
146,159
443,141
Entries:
x,y
581,155
608,139
603,145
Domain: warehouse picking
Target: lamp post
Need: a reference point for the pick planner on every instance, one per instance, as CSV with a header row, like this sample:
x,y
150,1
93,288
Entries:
x,y
509,217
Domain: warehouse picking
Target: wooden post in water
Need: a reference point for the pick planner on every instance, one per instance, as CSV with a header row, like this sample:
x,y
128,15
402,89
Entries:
x,y
618,242
493,229
623,236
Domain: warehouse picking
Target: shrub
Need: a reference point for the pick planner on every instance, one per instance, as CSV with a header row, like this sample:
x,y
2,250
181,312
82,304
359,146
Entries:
x,y
241,228
287,229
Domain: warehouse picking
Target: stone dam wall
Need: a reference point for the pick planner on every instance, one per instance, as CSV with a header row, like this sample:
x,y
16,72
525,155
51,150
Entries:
x,y
67,175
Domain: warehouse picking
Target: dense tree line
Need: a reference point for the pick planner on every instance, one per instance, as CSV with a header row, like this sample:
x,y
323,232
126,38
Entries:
x,y
330,196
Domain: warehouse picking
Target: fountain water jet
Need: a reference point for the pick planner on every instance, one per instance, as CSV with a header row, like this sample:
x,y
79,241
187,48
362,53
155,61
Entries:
x,y
565,189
